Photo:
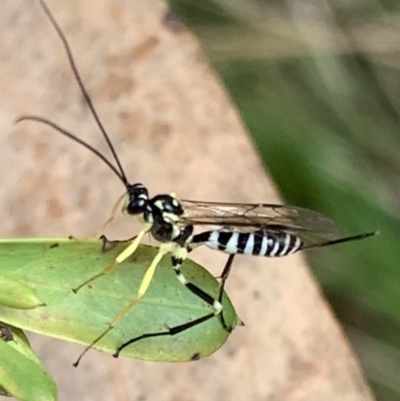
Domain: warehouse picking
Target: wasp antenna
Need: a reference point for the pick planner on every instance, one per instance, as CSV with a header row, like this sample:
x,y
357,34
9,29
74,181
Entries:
x,y
75,139
84,91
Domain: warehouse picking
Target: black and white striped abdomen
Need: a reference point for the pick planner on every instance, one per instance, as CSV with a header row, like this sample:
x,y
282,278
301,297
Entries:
x,y
257,243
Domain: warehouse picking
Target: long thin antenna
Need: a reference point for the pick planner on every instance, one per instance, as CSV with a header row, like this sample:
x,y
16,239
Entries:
x,y
84,92
74,138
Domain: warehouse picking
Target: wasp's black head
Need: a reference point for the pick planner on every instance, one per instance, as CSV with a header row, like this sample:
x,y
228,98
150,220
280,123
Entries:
x,y
137,198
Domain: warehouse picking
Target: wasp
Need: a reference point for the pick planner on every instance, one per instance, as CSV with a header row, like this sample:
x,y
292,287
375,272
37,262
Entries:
x,y
234,228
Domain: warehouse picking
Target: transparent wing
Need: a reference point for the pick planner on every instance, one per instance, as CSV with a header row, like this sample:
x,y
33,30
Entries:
x,y
311,227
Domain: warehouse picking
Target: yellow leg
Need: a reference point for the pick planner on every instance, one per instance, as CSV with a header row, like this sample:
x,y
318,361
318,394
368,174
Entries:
x,y
119,259
144,285
103,227
112,216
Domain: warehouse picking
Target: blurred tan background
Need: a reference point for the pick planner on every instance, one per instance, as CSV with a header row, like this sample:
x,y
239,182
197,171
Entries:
x,y
175,130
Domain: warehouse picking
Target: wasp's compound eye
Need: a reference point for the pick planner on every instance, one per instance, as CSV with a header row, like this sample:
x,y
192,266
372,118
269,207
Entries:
x,y
136,199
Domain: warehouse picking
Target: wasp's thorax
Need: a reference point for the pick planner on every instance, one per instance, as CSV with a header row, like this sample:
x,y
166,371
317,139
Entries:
x,y
162,212
166,210
166,206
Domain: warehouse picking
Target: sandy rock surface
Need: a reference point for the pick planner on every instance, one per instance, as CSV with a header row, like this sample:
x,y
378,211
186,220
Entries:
x,y
175,130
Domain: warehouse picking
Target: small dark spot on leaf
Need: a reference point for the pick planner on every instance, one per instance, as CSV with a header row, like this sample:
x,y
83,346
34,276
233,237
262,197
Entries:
x,y
141,397
257,295
55,245
195,356
45,316
6,333
134,258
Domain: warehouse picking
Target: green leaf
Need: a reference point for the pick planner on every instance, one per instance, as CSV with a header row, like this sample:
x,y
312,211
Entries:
x,y
17,295
21,374
53,266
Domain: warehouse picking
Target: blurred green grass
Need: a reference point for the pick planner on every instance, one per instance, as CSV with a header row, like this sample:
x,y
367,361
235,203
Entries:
x,y
318,85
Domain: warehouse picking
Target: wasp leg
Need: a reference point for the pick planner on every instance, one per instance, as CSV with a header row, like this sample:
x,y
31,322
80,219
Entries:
x,y
110,244
99,233
170,331
112,215
144,285
178,258
119,259
224,277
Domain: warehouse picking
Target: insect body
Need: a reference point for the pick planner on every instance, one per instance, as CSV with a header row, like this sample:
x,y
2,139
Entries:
x,y
252,229
257,243
261,229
